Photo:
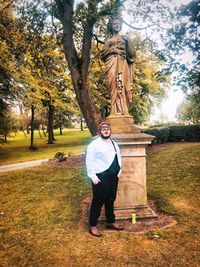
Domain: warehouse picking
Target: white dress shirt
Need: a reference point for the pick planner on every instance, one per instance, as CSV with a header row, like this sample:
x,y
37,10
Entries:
x,y
100,155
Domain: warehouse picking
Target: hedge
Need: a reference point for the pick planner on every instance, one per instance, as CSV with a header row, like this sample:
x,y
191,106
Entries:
x,y
175,133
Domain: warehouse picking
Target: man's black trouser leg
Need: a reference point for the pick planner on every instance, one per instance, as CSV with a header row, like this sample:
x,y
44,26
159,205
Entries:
x,y
96,205
109,201
103,193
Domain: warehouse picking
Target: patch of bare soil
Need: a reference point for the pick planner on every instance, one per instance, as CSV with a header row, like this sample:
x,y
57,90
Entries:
x,y
142,225
74,160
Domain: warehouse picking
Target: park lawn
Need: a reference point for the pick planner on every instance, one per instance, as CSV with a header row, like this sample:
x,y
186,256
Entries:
x,y
40,214
16,150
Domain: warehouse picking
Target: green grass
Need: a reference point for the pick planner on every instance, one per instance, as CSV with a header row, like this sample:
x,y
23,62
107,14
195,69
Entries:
x,y
40,213
16,150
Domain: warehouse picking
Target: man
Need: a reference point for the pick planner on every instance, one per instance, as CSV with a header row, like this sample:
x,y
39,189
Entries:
x,y
103,162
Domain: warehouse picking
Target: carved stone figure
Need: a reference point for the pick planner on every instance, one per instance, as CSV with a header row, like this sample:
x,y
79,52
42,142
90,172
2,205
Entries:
x,y
118,56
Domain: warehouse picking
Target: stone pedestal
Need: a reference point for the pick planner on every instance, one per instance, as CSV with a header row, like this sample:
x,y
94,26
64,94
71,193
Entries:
x,y
132,190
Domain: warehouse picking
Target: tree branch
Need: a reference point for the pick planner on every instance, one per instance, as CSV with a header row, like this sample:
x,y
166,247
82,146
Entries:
x,y
97,39
68,41
60,9
87,38
138,28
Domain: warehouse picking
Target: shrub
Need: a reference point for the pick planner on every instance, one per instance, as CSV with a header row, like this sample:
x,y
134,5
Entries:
x,y
60,156
175,133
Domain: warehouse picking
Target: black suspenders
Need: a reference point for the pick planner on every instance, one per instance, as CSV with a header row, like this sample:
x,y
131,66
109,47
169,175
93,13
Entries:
x,y
114,146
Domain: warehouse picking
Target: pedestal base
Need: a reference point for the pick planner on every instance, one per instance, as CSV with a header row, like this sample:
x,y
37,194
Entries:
x,y
141,211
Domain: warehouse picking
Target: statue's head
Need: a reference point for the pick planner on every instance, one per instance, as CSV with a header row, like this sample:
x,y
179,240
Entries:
x,y
114,24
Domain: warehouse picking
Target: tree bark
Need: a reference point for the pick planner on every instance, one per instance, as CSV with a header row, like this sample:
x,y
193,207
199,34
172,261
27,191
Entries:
x,y
50,124
60,129
81,123
32,127
78,65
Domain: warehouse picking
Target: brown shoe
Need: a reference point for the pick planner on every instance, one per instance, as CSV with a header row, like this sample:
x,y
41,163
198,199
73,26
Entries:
x,y
114,226
95,231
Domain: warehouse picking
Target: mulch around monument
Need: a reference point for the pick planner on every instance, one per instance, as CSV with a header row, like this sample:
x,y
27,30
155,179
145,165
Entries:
x,y
142,225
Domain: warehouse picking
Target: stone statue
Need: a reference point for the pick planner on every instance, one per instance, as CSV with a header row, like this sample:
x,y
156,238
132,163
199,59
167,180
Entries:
x,y
118,56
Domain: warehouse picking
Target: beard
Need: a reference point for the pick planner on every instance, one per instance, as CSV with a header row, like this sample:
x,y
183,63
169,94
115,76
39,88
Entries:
x,y
105,136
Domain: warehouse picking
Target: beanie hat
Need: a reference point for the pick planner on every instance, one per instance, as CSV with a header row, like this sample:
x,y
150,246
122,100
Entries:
x,y
104,123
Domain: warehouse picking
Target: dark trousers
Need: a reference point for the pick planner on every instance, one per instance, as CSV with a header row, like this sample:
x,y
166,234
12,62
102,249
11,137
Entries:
x,y
104,193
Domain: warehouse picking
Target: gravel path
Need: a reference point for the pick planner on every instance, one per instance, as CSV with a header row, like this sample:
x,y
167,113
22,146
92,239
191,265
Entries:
x,y
22,165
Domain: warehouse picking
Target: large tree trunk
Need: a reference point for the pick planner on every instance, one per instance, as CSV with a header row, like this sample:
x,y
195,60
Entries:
x,y
90,112
50,125
78,65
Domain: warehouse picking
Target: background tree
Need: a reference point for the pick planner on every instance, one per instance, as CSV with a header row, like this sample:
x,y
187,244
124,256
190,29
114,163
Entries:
x,y
150,82
23,122
45,79
63,118
185,37
9,42
7,123
189,109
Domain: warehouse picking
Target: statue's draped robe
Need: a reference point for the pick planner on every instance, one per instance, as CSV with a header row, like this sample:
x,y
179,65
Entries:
x,y
119,72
